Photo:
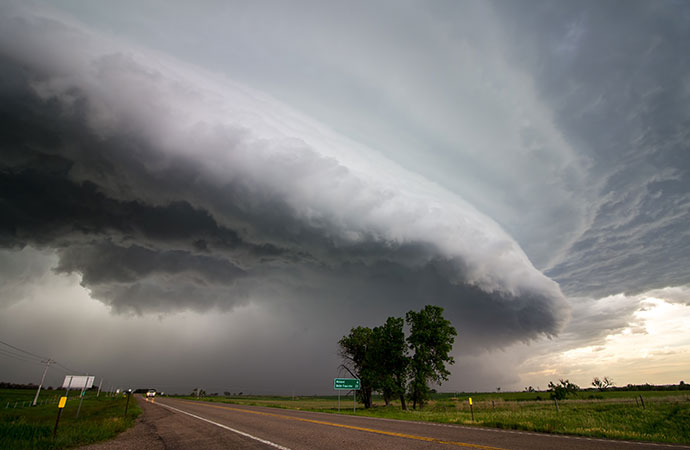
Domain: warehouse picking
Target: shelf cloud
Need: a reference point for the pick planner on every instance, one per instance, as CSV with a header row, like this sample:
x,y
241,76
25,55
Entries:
x,y
168,188
276,174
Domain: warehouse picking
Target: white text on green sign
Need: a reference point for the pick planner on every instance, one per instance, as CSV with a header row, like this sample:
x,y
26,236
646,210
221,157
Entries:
x,y
346,384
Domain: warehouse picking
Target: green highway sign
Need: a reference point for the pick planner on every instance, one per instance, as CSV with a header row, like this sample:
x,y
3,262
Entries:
x,y
346,384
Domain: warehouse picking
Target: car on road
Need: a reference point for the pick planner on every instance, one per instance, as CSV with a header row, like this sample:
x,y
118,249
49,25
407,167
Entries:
x,y
151,393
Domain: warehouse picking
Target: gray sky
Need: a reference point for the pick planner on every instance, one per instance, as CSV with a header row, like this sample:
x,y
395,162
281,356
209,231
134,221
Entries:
x,y
212,195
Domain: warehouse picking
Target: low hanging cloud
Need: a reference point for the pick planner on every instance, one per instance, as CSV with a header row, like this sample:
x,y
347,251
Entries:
x,y
169,189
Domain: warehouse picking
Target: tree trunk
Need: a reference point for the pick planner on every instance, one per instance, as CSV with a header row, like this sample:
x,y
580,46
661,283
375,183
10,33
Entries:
x,y
402,401
387,396
366,396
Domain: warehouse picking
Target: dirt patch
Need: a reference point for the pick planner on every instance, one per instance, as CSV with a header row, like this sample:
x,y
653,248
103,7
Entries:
x,y
143,435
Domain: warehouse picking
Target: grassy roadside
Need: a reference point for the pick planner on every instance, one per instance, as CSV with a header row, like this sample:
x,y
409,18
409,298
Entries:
x,y
27,427
612,415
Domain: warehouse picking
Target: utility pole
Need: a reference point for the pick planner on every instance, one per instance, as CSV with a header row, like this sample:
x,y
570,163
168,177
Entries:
x,y
48,363
99,387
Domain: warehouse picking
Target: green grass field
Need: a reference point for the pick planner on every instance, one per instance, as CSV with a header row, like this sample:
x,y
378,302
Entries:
x,y
613,415
27,427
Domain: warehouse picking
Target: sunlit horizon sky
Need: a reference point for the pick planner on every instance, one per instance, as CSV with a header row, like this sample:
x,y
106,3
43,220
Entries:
x,y
211,195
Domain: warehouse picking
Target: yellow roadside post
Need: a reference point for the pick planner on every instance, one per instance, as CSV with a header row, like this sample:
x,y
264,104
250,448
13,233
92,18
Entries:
x,y
129,394
61,406
471,410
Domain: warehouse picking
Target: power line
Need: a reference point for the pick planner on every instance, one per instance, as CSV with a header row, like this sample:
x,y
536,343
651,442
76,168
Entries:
x,y
31,357
27,356
23,351
22,355
68,369
18,357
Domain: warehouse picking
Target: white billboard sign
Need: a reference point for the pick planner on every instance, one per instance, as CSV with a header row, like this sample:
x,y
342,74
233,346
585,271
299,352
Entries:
x,y
78,382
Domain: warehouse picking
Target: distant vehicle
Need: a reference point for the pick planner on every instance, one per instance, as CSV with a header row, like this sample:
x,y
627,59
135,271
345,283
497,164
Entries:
x,y
151,393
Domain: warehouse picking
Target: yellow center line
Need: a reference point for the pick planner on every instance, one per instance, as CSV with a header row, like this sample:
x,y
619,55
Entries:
x,y
350,427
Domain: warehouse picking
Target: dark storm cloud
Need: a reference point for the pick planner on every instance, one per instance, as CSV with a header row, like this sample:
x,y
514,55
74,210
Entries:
x,y
167,190
615,74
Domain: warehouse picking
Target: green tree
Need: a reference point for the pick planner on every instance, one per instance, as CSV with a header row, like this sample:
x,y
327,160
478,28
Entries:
x,y
562,389
356,350
431,340
198,392
602,384
391,359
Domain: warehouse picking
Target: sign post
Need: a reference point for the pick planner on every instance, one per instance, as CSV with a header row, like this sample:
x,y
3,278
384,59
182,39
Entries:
x,y
471,410
69,385
347,384
61,406
82,382
129,394
83,392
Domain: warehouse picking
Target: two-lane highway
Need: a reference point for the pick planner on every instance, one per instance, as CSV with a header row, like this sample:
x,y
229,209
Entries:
x,y
189,424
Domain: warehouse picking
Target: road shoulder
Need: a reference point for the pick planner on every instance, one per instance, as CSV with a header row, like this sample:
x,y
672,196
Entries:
x,y
143,435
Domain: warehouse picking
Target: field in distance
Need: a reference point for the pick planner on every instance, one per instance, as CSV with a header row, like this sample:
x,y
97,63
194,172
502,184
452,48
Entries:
x,y
665,416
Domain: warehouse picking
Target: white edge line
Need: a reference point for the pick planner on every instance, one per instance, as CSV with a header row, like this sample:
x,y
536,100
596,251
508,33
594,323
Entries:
x,y
272,444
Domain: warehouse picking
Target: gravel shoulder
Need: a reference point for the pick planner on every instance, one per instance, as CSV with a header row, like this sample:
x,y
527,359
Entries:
x,y
143,435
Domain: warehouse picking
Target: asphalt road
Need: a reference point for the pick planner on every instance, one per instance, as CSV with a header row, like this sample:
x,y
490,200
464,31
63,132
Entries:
x,y
180,424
